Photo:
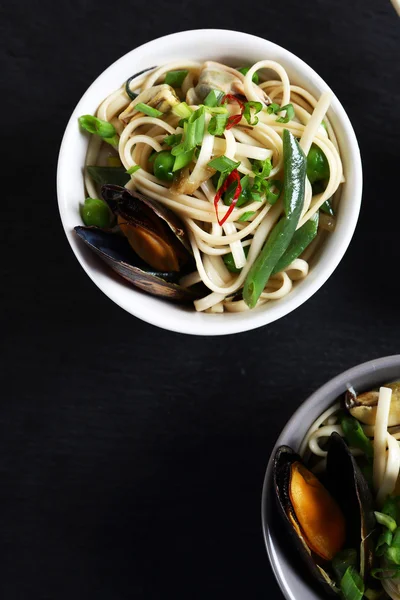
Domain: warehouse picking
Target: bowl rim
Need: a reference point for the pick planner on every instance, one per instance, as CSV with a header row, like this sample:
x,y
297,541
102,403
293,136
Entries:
x,y
325,390
182,321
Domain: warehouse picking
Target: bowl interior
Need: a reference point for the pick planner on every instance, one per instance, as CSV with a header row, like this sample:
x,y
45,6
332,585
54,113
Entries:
x,y
289,570
233,48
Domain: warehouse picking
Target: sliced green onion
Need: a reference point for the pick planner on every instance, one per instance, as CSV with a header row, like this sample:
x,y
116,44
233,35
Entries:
x,y
355,436
271,185
384,541
183,159
257,106
385,520
223,164
262,168
390,572
148,110
393,553
182,110
104,129
182,122
245,70
273,108
178,149
216,110
175,78
289,114
246,216
194,130
173,139
218,124
213,98
352,585
133,169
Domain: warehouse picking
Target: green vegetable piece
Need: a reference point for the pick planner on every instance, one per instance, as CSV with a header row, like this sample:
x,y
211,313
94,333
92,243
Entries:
x,y
352,585
102,175
183,159
245,194
385,520
225,166
230,263
182,110
294,163
148,110
217,124
393,552
273,108
194,132
246,216
175,78
257,106
273,189
213,98
95,212
163,165
300,240
262,168
104,129
342,561
384,541
355,436
133,169
386,572
317,165
289,113
173,140
244,70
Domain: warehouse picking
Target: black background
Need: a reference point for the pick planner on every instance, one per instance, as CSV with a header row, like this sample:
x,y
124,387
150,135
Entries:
x,y
131,458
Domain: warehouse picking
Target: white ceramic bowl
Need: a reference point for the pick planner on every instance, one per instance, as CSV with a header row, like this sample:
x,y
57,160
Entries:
x,y
289,571
230,47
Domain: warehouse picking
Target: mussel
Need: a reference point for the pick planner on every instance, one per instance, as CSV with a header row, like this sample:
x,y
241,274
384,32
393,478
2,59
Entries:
x,y
149,247
324,518
363,407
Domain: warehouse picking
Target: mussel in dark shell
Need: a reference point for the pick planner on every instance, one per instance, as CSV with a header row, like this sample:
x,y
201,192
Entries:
x,y
324,518
149,248
363,406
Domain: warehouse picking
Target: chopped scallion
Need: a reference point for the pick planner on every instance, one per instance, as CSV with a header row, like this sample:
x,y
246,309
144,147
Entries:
x,y
289,114
273,108
273,189
355,437
133,169
183,159
352,585
223,164
384,541
246,216
385,520
175,78
245,70
342,560
182,110
173,139
257,106
104,129
213,98
262,168
148,110
217,124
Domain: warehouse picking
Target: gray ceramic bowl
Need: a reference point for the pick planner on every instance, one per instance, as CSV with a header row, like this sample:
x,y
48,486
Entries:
x,y
288,568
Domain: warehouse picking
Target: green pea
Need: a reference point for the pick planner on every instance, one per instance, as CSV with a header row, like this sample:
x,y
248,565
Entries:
x,y
95,212
317,165
230,263
163,164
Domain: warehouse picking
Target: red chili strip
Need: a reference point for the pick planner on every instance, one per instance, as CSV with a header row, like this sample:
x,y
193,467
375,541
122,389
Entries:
x,y
233,119
234,176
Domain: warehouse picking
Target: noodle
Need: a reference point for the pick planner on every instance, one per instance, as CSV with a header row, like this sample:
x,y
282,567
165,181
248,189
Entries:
x,y
193,201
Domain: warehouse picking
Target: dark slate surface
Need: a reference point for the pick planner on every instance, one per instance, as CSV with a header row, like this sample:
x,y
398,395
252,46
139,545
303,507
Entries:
x,y
127,471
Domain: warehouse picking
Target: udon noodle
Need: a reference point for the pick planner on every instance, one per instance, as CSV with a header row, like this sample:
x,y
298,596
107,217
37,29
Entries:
x,y
193,198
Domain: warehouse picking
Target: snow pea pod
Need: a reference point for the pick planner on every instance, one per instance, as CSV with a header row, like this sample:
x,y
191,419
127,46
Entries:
x,y
300,240
295,164
116,175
